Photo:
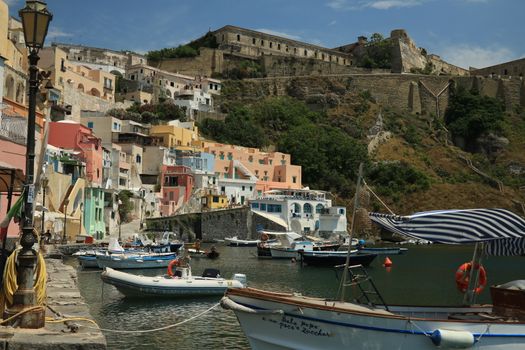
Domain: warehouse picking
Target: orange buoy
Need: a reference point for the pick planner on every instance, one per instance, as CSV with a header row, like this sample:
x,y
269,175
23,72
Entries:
x,y
388,262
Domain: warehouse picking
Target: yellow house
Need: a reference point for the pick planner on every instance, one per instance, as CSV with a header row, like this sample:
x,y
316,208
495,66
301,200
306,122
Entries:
x,y
66,74
174,136
13,50
214,201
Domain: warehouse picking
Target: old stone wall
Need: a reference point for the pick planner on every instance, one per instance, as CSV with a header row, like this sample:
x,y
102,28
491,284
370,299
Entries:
x,y
275,66
80,101
204,64
513,69
402,92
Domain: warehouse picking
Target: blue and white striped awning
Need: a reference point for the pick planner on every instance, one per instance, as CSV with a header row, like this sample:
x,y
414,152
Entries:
x,y
503,230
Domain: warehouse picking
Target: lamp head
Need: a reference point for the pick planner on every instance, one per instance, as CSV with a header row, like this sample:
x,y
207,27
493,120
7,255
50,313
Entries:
x,y
35,22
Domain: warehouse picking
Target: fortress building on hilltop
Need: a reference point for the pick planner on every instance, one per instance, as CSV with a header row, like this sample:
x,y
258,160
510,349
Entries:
x,y
252,43
509,69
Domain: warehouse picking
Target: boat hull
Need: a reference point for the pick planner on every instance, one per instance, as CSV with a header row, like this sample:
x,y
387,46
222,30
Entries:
x,y
382,250
127,262
163,286
276,323
88,261
284,253
336,258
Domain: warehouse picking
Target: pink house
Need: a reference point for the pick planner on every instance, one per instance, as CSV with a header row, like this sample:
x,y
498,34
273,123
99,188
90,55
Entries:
x,y
71,135
176,186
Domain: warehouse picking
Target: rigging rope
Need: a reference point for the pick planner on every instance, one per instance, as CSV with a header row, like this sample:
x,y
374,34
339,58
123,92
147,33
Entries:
x,y
136,331
377,197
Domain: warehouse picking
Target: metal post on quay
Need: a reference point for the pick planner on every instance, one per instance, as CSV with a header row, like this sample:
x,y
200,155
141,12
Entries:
x,y
35,23
64,235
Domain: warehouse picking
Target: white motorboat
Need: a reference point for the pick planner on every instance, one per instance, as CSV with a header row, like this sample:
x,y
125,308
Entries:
x,y
236,242
182,284
290,321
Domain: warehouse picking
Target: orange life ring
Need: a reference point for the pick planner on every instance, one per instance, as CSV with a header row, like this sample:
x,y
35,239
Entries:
x,y
174,262
463,275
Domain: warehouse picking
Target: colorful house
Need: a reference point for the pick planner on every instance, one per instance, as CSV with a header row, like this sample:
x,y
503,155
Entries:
x,y
93,219
272,170
71,135
176,188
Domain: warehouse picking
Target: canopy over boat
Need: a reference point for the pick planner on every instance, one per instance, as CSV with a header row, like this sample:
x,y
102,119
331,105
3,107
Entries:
x,y
502,230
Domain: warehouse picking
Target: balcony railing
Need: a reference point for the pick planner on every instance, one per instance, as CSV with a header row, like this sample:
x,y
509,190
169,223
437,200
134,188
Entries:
x,y
14,129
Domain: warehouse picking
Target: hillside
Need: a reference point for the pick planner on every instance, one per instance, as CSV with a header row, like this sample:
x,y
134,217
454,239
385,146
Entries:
x,y
327,125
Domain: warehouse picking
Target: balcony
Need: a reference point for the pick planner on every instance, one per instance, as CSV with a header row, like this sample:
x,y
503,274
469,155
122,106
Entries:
x,y
14,129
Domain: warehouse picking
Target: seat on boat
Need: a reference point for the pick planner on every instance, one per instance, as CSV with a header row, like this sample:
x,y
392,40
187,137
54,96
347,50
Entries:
x,y
211,273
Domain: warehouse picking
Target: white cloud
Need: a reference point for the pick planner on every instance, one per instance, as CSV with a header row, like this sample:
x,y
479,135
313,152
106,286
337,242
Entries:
x,y
54,33
478,57
332,23
374,4
387,4
11,2
277,33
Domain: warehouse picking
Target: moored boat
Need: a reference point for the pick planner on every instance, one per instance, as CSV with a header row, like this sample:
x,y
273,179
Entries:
x,y
328,258
135,261
182,284
290,321
236,242
382,250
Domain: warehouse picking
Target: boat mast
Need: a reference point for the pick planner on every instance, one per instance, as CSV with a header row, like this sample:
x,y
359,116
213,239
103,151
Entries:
x,y
342,287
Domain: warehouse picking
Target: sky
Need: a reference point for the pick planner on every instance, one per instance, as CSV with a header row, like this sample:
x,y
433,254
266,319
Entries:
x,y
467,33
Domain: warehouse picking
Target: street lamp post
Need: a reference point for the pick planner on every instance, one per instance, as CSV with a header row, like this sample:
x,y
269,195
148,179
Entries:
x,y
35,22
45,182
64,236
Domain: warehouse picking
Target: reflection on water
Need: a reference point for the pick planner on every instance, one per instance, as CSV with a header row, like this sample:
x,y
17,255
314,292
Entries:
x,y
425,275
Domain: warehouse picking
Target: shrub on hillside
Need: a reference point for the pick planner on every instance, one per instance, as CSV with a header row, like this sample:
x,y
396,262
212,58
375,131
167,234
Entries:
x,y
470,115
395,179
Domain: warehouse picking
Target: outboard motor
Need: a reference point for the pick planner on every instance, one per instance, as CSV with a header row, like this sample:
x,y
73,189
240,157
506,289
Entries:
x,y
241,277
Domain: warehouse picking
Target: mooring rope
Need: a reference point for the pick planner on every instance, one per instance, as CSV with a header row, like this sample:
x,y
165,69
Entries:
x,y
377,197
66,319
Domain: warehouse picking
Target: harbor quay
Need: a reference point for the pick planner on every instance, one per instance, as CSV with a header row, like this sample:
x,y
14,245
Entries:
x,y
64,302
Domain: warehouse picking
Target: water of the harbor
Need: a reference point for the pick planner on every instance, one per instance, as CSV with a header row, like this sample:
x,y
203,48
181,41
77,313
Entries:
x,y
424,275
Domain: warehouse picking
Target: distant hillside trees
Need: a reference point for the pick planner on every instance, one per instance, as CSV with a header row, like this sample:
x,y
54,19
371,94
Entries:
x,y
150,113
188,50
470,115
328,156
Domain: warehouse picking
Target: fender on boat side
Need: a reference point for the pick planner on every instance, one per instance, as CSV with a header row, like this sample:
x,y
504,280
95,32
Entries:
x,y
229,304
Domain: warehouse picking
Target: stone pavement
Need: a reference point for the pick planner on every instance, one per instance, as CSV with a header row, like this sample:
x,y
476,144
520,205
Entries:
x,y
63,299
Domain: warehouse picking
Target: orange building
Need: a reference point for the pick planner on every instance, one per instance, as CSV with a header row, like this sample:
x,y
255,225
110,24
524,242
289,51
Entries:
x,y
272,169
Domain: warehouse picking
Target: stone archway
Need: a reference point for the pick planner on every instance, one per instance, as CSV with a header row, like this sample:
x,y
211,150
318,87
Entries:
x,y
80,87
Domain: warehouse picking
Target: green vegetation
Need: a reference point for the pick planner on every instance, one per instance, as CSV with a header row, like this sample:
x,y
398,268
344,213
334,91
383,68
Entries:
x,y
470,115
245,69
125,205
188,50
396,179
378,53
150,113
429,68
